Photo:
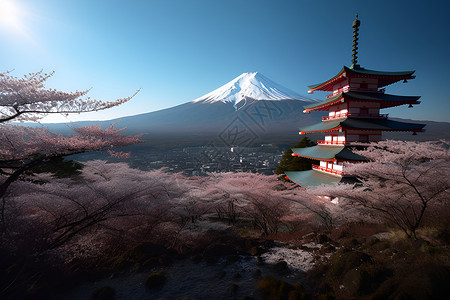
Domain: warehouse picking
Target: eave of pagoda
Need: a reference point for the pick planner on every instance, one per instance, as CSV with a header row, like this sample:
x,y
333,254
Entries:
x,y
325,105
384,78
342,128
327,153
328,85
385,100
311,178
315,158
371,124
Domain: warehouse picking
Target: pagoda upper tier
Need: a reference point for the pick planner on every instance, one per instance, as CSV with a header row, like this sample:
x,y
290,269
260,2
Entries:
x,y
361,79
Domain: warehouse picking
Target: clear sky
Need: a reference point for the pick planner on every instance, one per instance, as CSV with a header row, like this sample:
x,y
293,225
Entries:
x,y
179,50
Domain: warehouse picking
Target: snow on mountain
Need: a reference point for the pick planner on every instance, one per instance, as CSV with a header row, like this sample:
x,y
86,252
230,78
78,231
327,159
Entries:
x,y
251,85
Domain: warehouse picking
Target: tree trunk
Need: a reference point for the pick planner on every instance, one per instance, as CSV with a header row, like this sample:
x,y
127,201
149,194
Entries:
x,y
5,185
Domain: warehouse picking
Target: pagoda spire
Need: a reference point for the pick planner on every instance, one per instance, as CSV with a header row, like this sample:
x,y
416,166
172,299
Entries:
x,y
355,26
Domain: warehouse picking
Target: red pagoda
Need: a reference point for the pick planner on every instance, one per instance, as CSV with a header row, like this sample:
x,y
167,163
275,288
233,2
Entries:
x,y
354,116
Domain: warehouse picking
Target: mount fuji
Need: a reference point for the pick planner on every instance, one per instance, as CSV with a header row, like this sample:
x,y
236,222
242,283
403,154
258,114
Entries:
x,y
250,109
254,86
254,106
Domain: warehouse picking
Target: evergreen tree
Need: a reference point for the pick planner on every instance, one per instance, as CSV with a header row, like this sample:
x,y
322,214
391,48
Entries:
x,y
59,166
295,163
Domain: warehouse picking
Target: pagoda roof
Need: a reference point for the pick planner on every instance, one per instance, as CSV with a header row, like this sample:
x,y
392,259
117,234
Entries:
x,y
311,178
362,123
385,100
328,153
384,77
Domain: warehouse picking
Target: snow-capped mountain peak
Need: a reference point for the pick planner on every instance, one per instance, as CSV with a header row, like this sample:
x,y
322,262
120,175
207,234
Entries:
x,y
253,86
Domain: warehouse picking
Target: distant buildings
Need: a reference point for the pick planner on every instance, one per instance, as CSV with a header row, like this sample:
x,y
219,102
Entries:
x,y
198,161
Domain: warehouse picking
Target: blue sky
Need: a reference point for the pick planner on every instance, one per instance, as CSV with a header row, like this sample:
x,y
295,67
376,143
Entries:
x,y
178,50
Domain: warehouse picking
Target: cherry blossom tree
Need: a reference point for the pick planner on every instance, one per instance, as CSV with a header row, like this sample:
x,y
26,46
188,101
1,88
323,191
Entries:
x,y
250,195
268,212
106,209
22,148
326,214
402,182
27,99
105,200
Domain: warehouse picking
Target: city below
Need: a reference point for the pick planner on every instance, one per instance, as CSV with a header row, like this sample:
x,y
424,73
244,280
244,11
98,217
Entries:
x,y
198,161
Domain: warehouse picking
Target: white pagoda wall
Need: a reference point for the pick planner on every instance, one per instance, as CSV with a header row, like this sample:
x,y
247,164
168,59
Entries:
x,y
341,108
331,165
339,138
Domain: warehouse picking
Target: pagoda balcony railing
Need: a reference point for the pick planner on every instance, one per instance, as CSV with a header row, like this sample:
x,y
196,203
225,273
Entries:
x,y
345,115
337,116
337,92
328,170
347,89
337,143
